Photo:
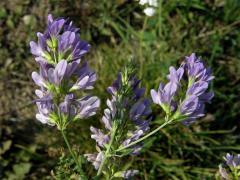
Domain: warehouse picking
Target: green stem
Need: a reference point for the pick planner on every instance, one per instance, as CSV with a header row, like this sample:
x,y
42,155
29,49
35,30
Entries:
x,y
141,44
235,174
106,154
73,155
145,137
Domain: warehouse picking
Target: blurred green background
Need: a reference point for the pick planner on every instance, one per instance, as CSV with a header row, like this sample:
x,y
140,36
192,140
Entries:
x,y
118,30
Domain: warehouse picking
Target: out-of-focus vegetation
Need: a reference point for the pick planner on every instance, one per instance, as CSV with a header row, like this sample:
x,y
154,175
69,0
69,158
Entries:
x,y
118,30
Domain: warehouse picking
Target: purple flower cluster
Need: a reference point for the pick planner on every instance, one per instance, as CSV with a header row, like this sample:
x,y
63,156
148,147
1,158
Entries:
x,y
61,40
231,167
192,105
232,160
58,53
127,103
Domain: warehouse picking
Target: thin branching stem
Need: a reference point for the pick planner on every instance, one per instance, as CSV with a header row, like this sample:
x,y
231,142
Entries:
x,y
146,136
106,154
73,155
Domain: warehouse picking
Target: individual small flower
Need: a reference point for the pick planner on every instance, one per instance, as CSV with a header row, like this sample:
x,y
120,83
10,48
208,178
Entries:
x,y
149,11
87,106
142,2
109,114
196,70
150,2
198,88
191,105
56,75
44,110
150,6
140,115
128,174
223,173
140,110
98,135
165,96
192,108
175,76
116,85
85,78
51,75
153,3
45,107
67,107
134,136
55,26
95,159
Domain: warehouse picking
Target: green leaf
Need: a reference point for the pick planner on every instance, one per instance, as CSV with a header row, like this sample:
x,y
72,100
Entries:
x,y
19,171
22,169
6,146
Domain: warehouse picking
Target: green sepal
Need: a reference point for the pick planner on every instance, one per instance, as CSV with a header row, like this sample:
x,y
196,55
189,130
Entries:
x,y
76,118
48,57
191,80
118,174
50,87
166,108
124,152
178,116
52,43
60,56
53,118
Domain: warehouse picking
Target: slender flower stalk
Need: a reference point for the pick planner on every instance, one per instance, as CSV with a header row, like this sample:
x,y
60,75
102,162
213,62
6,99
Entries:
x,y
107,152
167,122
82,174
145,137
